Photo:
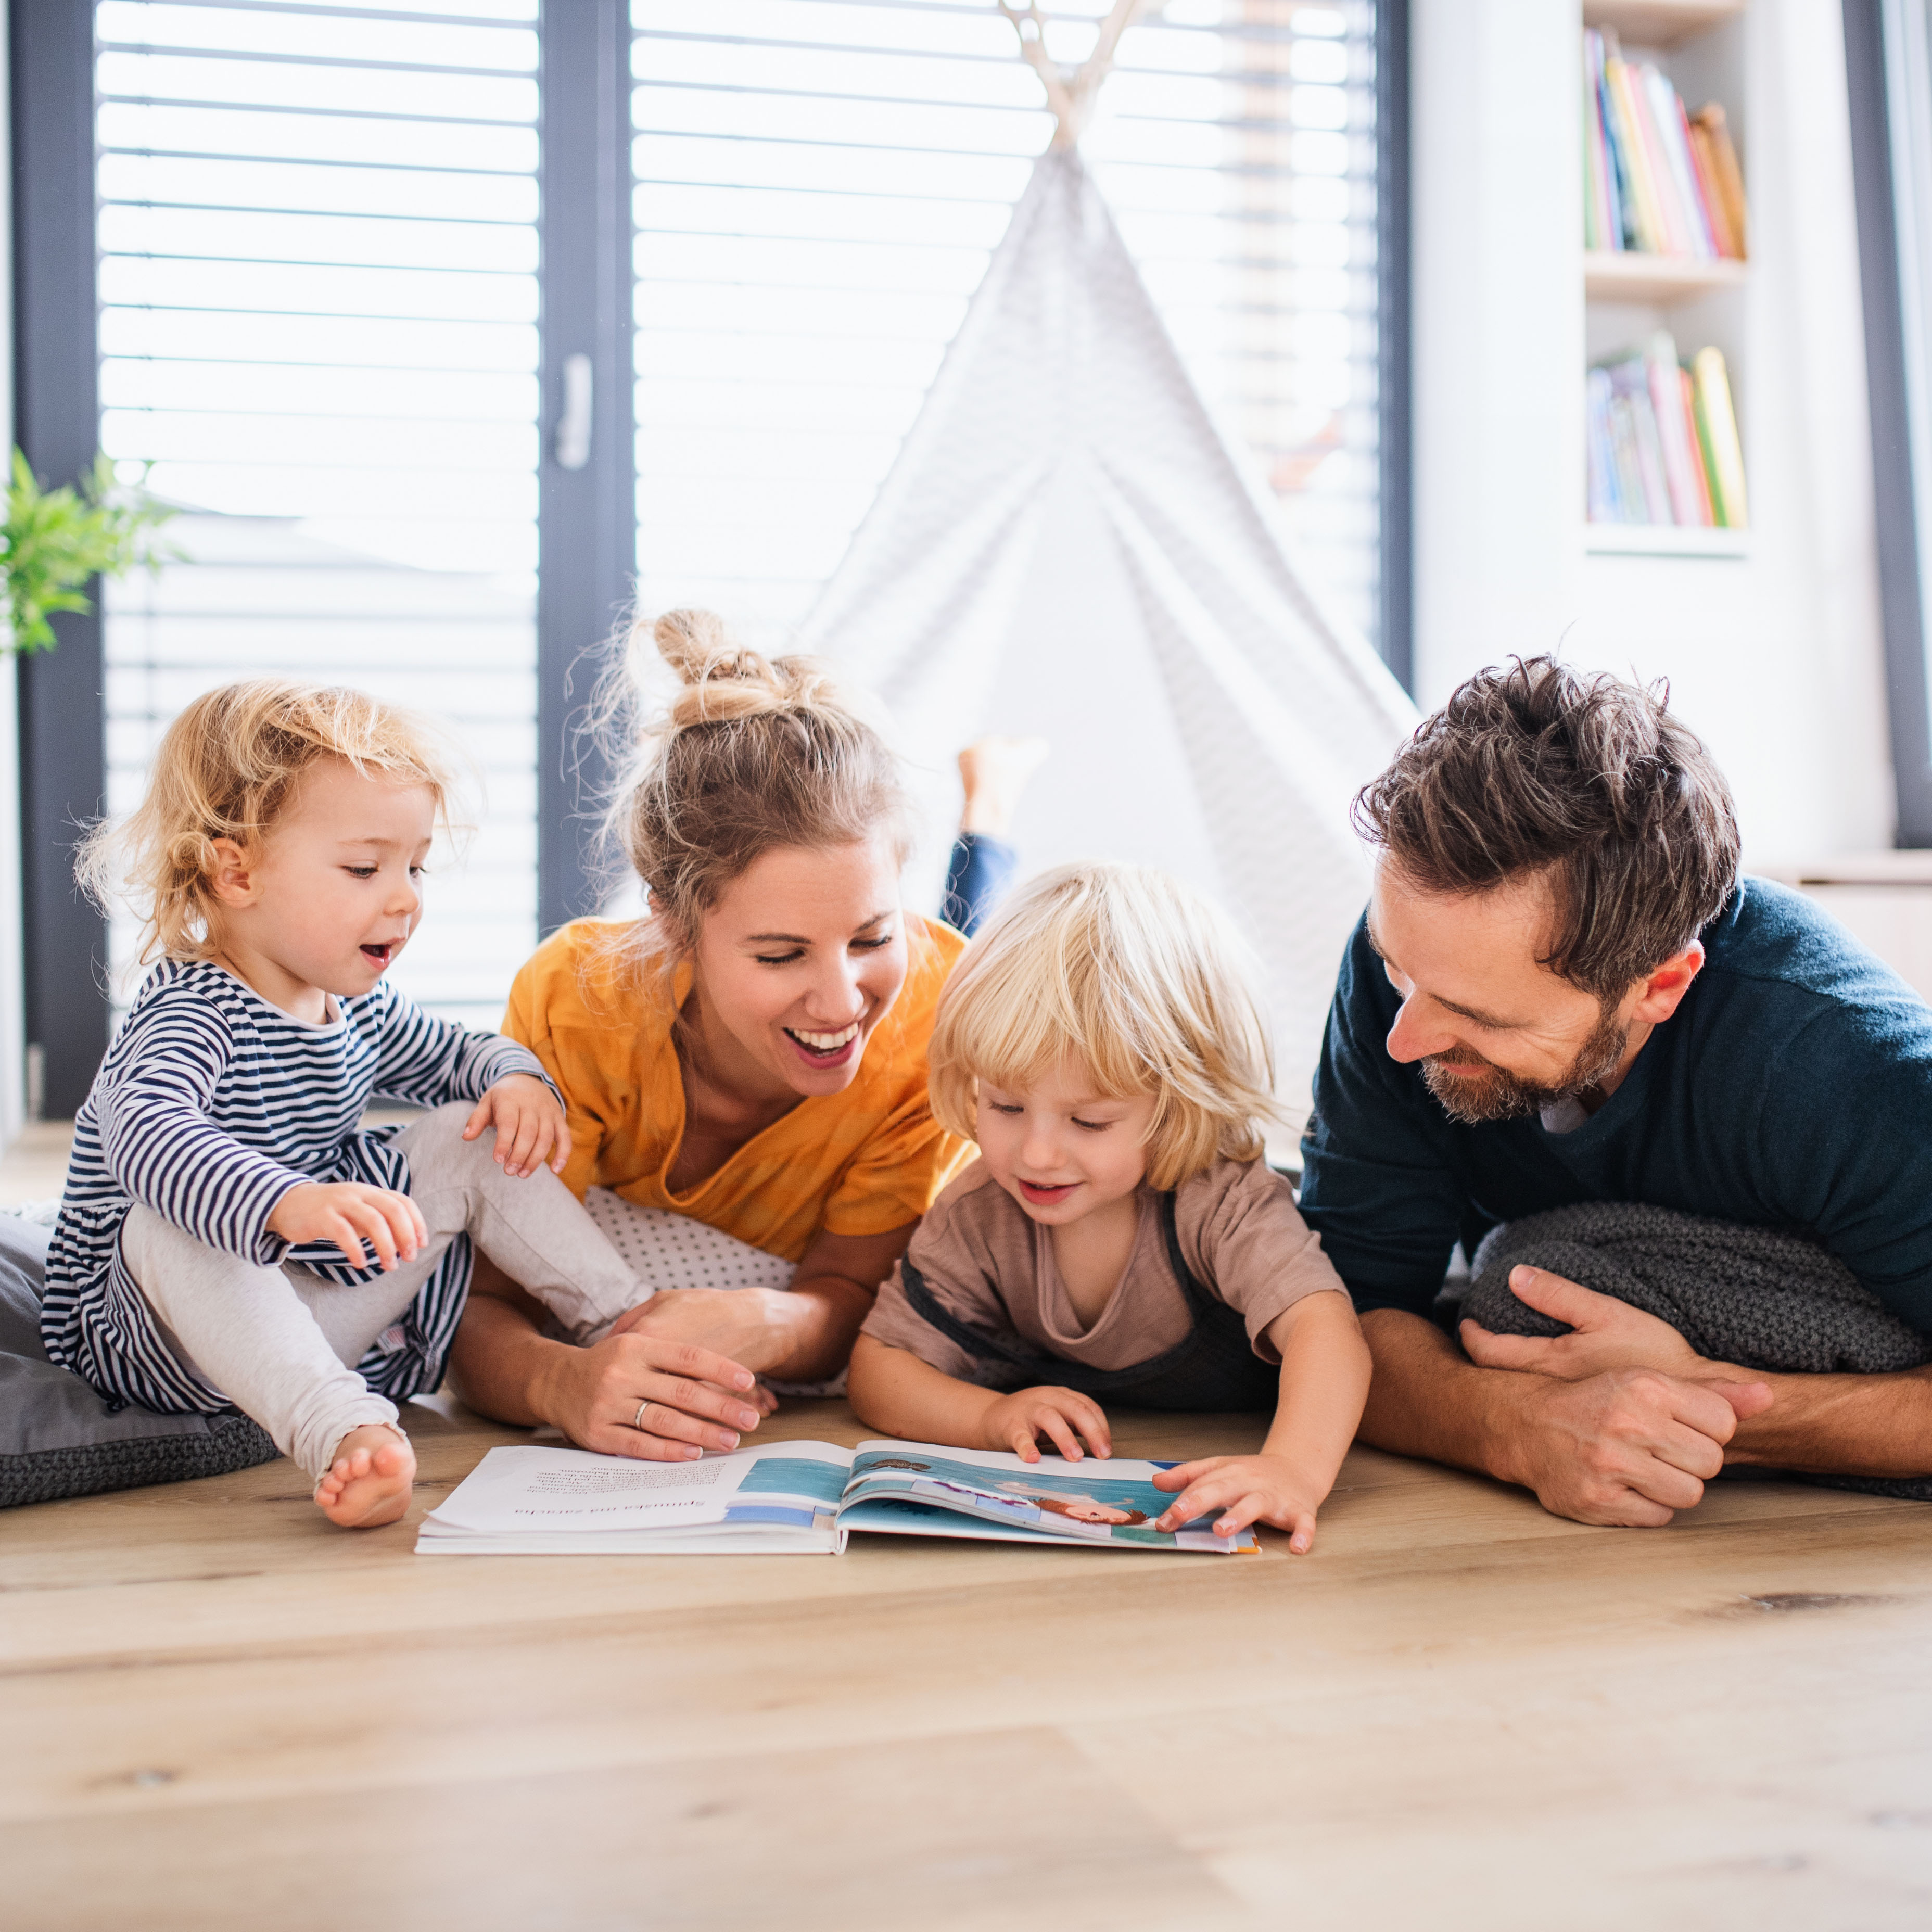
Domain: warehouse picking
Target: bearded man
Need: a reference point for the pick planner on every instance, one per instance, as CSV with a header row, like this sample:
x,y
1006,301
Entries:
x,y
1563,991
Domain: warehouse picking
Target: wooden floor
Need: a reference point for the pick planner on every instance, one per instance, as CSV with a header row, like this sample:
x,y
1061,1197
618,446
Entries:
x,y
218,1711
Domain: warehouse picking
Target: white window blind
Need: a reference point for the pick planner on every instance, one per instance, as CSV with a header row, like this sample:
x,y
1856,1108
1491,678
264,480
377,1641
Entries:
x,y
318,255
820,183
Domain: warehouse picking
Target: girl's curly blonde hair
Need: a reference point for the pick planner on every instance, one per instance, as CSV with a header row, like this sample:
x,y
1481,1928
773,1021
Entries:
x,y
1125,971
227,768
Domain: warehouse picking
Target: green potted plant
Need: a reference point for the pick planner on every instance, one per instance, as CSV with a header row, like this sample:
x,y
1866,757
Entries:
x,y
53,541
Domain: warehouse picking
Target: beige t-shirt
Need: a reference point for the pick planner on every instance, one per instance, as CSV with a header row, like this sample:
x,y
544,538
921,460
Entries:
x,y
988,1264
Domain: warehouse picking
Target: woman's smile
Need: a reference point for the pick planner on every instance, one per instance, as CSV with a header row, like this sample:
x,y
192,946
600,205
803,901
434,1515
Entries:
x,y
827,1049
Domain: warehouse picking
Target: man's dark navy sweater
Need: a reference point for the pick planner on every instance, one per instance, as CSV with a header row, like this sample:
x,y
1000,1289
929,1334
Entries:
x,y
1791,1089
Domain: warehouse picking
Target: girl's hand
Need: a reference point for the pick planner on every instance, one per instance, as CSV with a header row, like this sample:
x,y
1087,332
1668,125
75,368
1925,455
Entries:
x,y
529,1123
635,1395
1062,1415
1246,1489
349,1212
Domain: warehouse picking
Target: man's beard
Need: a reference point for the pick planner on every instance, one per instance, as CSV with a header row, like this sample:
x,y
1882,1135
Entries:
x,y
1500,1095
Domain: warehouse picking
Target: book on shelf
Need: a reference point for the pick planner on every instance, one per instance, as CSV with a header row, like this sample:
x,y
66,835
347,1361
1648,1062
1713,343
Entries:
x,y
1661,440
802,1499
1657,179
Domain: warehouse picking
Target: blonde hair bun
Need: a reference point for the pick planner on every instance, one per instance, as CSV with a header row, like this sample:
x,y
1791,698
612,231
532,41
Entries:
x,y
723,681
747,753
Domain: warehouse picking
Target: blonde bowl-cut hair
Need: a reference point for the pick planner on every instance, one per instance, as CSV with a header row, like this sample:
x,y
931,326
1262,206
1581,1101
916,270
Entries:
x,y
1139,979
749,754
227,768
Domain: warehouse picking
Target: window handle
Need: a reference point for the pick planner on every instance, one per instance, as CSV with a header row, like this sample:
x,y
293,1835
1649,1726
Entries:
x,y
573,427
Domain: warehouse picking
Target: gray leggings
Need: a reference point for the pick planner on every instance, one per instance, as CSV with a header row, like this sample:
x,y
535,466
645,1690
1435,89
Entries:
x,y
281,1343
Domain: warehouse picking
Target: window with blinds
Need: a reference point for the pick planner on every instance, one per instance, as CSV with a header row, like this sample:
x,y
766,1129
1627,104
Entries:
x,y
820,183
318,255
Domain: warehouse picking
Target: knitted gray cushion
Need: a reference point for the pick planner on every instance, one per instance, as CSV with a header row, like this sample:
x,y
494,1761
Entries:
x,y
1755,1296
58,1438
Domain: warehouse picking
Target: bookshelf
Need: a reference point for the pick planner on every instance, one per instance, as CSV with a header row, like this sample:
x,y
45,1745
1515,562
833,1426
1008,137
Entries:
x,y
1630,294
1660,23
1660,281
1662,540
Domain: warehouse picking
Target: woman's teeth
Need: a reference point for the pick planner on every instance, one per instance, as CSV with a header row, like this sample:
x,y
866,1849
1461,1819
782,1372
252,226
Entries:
x,y
825,1043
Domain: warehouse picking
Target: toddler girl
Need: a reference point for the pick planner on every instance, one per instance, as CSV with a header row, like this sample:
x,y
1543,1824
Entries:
x,y
229,1235
1119,1236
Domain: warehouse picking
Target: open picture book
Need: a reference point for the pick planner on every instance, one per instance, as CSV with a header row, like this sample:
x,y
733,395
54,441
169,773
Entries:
x,y
800,1498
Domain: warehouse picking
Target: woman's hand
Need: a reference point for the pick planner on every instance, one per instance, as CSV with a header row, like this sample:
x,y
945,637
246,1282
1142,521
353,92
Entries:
x,y
642,1395
349,1212
1246,1489
1063,1415
755,1326
530,1123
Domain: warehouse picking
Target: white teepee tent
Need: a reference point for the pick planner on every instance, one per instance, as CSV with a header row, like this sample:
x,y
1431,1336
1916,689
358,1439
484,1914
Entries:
x,y
1068,545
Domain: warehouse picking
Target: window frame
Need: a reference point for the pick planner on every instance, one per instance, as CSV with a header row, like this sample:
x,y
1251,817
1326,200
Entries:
x,y
1898,490
586,513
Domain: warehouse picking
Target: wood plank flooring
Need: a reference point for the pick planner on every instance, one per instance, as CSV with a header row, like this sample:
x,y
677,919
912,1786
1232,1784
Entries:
x,y
218,1711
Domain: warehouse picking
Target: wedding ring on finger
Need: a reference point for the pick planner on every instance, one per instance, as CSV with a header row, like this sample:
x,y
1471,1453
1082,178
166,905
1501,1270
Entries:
x,y
637,1420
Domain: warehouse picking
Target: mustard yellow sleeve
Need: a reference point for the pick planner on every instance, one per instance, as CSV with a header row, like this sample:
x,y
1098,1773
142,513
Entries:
x,y
527,1019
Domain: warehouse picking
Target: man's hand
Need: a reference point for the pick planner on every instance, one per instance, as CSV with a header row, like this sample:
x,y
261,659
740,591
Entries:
x,y
1246,1489
530,1123
1629,1446
1063,1415
1609,1334
349,1212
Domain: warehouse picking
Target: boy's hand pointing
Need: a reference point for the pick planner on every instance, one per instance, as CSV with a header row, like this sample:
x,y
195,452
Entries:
x,y
1246,1489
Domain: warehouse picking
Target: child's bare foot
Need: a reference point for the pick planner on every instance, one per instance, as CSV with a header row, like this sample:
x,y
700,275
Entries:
x,y
368,1482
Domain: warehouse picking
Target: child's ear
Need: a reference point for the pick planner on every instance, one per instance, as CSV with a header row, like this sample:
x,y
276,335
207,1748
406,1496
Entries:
x,y
231,878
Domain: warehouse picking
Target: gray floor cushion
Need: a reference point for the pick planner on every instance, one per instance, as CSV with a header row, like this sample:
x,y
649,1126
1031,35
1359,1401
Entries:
x,y
58,1438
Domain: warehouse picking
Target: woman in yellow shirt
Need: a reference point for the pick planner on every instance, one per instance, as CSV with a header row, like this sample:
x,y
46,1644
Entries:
x,y
751,1055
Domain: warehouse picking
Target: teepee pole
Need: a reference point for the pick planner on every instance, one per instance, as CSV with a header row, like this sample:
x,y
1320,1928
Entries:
x,y
1070,96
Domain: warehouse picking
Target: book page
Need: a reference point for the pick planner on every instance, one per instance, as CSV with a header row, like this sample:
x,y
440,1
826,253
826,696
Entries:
x,y
537,1492
1113,1502
537,1488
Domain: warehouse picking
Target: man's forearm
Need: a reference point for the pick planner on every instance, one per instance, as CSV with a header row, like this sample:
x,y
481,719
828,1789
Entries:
x,y
1427,1398
1839,1425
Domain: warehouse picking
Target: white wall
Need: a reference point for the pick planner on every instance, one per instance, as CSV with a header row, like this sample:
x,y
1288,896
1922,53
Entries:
x,y
13,1026
1776,658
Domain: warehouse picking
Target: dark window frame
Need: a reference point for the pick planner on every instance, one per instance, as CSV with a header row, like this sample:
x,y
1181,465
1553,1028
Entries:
x,y
1896,490
587,514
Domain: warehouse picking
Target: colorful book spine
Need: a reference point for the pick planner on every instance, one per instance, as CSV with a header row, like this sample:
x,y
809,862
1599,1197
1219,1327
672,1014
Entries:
x,y
1718,432
1662,441
1676,435
1603,210
1656,178
1605,500
1667,117
1651,236
1730,178
1705,162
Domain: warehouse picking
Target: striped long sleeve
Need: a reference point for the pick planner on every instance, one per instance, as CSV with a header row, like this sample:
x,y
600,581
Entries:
x,y
432,1062
210,1105
159,1145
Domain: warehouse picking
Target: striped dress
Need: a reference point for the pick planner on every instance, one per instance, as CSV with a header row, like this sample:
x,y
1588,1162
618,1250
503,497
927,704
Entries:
x,y
210,1104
